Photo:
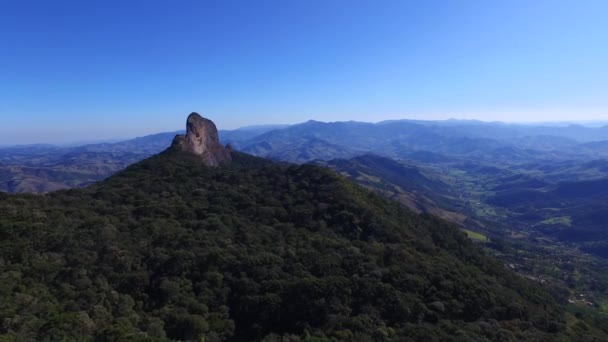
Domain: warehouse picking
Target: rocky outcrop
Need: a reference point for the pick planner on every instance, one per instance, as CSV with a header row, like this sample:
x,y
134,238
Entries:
x,y
202,139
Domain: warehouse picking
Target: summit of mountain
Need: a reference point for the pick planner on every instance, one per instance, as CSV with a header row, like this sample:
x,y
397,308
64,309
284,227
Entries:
x,y
202,139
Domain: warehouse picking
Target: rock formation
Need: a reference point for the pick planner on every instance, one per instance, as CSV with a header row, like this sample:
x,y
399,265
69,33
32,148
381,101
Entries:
x,y
202,139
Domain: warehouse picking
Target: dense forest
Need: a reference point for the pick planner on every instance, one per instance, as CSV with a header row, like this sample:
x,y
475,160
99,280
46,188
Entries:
x,y
169,249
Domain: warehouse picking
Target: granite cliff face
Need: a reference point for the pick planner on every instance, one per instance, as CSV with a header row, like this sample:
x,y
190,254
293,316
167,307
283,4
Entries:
x,y
202,139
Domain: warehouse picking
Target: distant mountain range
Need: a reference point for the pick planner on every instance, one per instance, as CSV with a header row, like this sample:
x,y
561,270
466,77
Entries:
x,y
400,139
42,168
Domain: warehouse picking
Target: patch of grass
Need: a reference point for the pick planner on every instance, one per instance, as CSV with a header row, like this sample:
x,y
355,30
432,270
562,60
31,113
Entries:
x,y
475,235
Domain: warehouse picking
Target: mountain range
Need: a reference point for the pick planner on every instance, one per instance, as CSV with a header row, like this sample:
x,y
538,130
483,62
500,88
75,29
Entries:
x,y
42,168
475,173
499,180
202,242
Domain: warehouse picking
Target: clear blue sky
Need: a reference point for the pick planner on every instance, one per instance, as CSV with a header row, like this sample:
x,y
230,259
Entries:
x,y
86,70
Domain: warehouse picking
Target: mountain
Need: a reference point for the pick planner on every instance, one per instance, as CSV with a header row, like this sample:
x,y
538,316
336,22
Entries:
x,y
247,132
485,172
421,189
44,168
202,139
426,141
490,142
510,131
173,248
302,150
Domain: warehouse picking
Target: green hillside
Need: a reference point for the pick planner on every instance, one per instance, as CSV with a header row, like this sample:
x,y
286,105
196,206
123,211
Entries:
x,y
170,249
417,188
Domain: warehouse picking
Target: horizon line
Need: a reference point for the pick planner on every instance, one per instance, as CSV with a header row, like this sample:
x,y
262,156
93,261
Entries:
x,y
561,123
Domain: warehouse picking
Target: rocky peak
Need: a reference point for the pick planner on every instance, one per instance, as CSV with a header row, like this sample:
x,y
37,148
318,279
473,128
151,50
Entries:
x,y
202,139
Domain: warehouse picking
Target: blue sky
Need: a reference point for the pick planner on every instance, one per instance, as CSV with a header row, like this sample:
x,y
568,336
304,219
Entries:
x,y
87,70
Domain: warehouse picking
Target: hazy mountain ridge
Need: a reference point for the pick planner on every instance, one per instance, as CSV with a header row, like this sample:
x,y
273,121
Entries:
x,y
43,168
312,140
490,142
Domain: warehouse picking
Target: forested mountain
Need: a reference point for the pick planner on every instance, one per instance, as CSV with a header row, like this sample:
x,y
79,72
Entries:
x,y
483,166
172,249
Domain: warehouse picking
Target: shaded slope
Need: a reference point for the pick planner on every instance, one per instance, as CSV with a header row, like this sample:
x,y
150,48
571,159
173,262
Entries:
x,y
421,190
